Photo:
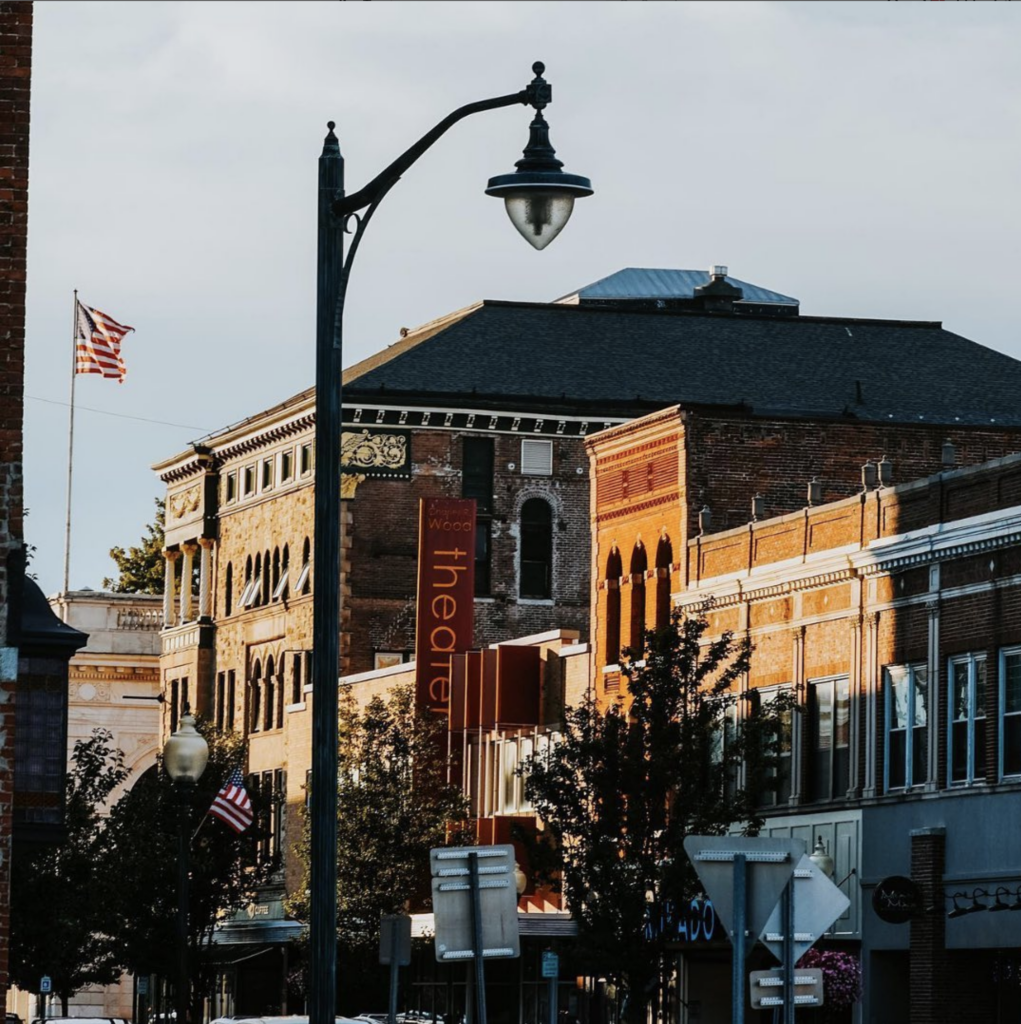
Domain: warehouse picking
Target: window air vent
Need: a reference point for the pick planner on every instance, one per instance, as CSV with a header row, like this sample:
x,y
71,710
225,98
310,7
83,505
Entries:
x,y
537,458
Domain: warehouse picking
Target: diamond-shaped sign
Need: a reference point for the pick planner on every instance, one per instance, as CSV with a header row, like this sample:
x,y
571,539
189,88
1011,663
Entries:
x,y
769,864
817,904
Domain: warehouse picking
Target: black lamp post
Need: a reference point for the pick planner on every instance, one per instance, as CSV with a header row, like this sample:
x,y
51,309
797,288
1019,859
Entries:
x,y
539,198
184,756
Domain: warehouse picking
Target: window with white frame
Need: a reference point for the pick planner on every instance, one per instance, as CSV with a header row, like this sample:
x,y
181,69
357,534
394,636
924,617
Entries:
x,y
1010,712
907,725
967,719
778,792
829,742
723,740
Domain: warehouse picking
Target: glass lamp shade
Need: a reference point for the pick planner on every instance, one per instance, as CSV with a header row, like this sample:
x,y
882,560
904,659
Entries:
x,y
538,215
185,753
821,859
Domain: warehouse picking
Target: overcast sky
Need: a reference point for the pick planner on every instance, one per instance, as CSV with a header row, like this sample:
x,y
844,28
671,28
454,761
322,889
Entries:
x,y
863,157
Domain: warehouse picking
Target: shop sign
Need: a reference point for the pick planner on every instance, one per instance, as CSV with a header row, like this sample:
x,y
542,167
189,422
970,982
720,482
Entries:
x,y
896,899
692,922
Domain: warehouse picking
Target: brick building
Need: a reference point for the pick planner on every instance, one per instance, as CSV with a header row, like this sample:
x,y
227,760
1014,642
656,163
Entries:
x,y
894,616
505,403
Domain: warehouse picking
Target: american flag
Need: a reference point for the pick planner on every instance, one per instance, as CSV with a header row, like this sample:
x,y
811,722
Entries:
x,y
98,343
232,804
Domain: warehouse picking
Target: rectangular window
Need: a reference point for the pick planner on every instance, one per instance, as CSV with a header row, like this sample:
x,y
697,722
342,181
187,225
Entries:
x,y
967,738
305,459
248,480
231,488
477,473
296,661
221,694
536,458
483,557
231,694
907,725
279,806
175,687
723,740
387,659
286,466
1010,702
267,474
778,792
829,737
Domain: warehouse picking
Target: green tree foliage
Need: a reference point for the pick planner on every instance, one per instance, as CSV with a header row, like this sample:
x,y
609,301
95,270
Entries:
x,y
142,837
621,791
140,569
394,805
61,919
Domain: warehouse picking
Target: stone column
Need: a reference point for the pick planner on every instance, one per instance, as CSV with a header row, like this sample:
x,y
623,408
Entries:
x,y
799,762
189,549
856,689
932,708
206,578
169,606
871,684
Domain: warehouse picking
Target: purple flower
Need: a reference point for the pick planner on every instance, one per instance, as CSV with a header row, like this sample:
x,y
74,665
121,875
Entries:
x,y
841,974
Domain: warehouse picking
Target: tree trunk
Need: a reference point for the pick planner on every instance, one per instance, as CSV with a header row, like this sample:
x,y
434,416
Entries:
x,y
64,997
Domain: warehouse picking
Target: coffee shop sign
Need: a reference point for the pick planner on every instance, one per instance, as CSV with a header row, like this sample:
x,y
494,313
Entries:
x,y
692,922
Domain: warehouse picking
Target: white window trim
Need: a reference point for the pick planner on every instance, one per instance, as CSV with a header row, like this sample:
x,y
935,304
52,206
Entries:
x,y
1005,652
910,782
971,660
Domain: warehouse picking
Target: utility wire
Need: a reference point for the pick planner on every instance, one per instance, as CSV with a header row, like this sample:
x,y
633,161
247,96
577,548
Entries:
x,y
118,415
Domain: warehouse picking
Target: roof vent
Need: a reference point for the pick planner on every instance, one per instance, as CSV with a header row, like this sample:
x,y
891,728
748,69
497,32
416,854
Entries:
x,y
719,295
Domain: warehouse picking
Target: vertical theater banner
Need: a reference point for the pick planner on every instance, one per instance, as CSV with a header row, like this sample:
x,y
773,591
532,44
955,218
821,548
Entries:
x,y
446,595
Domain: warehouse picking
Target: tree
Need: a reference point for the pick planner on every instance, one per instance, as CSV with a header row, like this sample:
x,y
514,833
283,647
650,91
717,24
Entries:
x,y
625,786
141,838
140,569
394,804
62,923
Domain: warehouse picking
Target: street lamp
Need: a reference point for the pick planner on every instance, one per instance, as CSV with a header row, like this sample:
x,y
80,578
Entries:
x,y
539,198
184,756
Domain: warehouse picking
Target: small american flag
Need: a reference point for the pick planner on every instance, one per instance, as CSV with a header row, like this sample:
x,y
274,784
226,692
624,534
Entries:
x,y
232,804
98,343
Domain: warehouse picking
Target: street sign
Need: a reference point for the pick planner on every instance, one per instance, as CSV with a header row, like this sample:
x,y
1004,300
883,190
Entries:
x,y
817,904
550,964
767,988
770,863
45,985
395,939
452,902
896,899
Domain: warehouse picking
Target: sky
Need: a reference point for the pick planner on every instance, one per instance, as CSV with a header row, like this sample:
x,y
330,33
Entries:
x,y
863,157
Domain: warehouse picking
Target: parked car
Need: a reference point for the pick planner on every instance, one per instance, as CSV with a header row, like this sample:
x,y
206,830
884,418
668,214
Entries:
x,y
243,1018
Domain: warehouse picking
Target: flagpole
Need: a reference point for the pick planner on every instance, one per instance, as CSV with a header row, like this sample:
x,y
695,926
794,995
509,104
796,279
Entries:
x,y
70,442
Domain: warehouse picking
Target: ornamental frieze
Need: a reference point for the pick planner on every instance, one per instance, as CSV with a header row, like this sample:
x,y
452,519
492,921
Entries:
x,y
377,453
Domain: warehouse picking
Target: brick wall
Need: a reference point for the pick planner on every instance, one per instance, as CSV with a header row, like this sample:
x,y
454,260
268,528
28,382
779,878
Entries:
x,y
15,80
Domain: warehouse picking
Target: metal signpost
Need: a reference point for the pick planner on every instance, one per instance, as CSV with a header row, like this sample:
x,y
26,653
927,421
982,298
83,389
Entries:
x,y
395,950
745,879
551,971
475,908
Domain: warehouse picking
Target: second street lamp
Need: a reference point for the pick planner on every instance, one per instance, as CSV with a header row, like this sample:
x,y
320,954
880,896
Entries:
x,y
185,755
539,198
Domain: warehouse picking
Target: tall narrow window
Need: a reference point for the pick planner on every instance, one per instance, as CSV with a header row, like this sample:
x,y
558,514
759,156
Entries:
x,y
305,459
228,589
477,483
777,792
664,563
267,589
614,570
279,809
231,488
221,683
829,745
255,691
280,588
175,687
907,720
270,698
231,697
1010,704
296,660
286,465
304,582
536,549
639,566
967,737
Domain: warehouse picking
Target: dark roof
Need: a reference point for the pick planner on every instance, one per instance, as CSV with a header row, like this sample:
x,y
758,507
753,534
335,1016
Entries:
x,y
554,354
650,283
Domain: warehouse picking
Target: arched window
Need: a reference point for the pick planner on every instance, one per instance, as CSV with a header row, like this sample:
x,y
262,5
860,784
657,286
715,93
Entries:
x,y
304,583
256,592
664,562
536,549
614,570
276,572
228,589
267,589
285,568
639,565
270,703
255,692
